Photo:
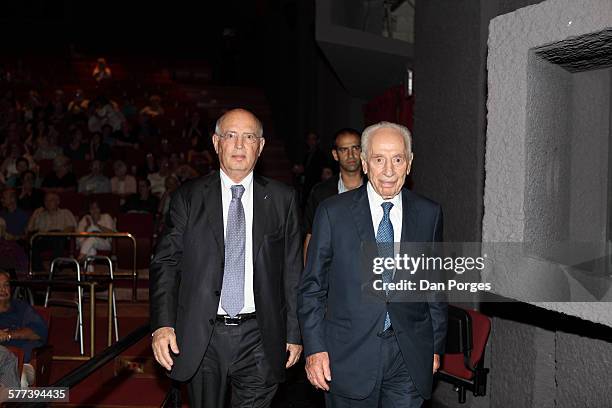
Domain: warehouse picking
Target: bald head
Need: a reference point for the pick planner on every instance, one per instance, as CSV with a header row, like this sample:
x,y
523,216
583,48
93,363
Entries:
x,y
238,142
240,115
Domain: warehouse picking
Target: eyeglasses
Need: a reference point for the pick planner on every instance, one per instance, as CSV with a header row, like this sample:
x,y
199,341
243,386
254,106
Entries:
x,y
344,150
247,137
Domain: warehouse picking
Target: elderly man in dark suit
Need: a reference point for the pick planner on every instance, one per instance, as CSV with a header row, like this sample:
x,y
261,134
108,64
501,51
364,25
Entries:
x,y
224,277
380,353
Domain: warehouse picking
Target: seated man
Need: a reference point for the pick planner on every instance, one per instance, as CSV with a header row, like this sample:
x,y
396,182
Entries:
x,y
95,182
47,219
20,325
143,201
16,218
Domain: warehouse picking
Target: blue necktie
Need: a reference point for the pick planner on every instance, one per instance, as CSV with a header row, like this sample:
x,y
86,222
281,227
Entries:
x,y
384,240
232,291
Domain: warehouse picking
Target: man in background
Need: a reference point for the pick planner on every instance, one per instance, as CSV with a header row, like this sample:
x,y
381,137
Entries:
x,y
346,151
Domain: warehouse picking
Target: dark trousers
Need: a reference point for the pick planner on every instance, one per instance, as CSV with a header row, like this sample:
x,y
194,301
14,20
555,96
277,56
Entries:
x,y
55,244
394,387
235,359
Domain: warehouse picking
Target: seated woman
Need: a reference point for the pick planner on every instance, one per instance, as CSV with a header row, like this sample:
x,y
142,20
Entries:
x,y
20,325
94,221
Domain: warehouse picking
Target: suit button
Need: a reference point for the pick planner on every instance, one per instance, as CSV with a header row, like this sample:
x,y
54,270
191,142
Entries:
x,y
211,321
217,293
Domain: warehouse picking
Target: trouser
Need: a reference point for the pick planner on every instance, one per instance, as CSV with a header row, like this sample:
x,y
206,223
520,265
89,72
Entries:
x,y
234,359
394,388
55,244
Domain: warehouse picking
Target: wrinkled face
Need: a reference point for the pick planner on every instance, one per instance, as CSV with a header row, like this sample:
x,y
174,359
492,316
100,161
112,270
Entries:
x,y
5,287
386,163
238,155
52,201
347,152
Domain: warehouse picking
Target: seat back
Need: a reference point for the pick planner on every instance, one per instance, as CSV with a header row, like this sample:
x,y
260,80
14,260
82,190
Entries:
x,y
140,225
467,336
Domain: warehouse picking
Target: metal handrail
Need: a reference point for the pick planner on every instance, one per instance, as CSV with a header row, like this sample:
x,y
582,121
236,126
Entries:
x,y
92,309
87,235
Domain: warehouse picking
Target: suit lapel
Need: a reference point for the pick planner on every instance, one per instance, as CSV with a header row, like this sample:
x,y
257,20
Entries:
x,y
261,203
361,214
214,212
409,217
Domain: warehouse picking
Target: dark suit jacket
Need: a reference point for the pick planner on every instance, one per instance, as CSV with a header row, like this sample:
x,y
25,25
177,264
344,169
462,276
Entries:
x,y
319,192
187,270
333,315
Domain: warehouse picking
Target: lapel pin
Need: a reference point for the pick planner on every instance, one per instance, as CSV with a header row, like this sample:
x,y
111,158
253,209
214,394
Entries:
x,y
266,197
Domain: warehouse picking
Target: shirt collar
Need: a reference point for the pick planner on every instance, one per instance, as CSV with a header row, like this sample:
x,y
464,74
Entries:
x,y
377,200
228,182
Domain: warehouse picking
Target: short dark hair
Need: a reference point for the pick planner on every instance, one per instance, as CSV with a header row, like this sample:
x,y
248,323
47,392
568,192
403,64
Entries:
x,y
22,159
344,131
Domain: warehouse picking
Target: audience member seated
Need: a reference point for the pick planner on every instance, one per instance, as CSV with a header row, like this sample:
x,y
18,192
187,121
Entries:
x,y
148,167
101,71
153,109
16,219
21,164
29,198
9,165
98,150
77,108
95,182
122,184
143,201
76,149
46,148
20,325
94,221
172,183
48,219
9,374
104,112
56,109
12,255
62,179
158,180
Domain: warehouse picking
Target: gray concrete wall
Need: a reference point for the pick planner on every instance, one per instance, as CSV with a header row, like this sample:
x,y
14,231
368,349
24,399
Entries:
x,y
590,132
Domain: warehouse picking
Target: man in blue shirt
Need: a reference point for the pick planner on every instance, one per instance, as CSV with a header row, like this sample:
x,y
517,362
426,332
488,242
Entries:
x,y
16,218
20,325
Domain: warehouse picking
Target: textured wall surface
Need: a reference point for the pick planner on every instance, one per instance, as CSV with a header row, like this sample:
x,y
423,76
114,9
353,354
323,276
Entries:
x,y
522,175
582,376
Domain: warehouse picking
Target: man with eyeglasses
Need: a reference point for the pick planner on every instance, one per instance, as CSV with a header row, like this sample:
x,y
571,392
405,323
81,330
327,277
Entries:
x,y
225,274
346,151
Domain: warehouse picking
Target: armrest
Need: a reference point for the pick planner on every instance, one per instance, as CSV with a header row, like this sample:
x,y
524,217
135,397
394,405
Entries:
x,y
41,360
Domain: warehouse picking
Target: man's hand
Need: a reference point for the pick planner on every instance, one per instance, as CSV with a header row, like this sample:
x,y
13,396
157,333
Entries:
x,y
163,338
4,335
317,370
436,363
294,354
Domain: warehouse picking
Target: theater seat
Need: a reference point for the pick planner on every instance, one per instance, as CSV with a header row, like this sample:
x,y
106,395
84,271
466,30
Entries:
x,y
462,364
41,357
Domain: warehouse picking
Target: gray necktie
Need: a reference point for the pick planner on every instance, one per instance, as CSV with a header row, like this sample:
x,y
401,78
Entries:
x,y
232,292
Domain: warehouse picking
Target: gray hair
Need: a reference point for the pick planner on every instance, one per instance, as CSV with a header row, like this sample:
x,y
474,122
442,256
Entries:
x,y
258,131
367,134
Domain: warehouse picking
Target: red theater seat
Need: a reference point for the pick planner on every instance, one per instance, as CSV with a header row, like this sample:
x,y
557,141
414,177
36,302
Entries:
x,y
463,362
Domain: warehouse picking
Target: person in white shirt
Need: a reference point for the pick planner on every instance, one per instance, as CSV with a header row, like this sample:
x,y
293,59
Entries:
x,y
94,221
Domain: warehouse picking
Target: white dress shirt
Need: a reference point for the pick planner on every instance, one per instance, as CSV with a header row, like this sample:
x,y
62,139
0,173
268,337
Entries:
x,y
247,204
377,212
